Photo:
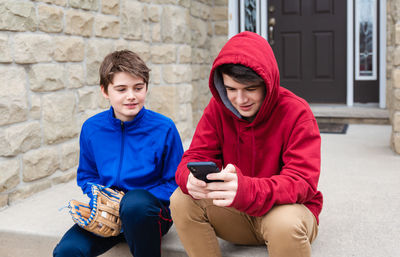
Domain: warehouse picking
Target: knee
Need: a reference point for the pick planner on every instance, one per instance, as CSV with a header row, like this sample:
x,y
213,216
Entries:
x,y
137,205
179,204
68,249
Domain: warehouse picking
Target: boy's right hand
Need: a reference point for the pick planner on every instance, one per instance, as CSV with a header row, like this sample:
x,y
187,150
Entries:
x,y
196,187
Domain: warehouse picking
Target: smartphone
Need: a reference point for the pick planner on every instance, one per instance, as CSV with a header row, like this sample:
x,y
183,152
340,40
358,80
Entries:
x,y
201,169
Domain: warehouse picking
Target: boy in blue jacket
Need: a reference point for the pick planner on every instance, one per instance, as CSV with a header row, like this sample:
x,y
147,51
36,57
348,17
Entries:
x,y
128,148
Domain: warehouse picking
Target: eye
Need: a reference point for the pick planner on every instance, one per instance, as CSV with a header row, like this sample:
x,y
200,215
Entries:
x,y
120,89
138,89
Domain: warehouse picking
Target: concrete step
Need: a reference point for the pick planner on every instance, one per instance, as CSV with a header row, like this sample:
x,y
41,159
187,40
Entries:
x,y
34,226
357,114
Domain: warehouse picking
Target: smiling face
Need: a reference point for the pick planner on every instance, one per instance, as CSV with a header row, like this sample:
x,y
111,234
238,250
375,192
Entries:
x,y
247,99
126,94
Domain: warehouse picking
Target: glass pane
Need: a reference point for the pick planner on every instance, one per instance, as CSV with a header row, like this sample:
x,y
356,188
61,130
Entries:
x,y
250,10
366,39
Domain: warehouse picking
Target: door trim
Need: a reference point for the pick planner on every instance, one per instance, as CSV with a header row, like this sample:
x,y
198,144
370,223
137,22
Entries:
x,y
234,29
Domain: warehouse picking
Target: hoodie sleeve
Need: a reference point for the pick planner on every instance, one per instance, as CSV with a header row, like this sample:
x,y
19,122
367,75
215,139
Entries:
x,y
87,171
296,182
205,146
172,154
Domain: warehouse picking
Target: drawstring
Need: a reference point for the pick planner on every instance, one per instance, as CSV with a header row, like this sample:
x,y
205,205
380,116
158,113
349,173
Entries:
x,y
237,143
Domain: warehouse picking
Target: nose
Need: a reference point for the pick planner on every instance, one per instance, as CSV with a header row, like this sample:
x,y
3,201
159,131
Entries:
x,y
131,94
241,97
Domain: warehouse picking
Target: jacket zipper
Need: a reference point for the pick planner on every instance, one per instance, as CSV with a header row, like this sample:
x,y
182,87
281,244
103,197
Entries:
x,y
121,154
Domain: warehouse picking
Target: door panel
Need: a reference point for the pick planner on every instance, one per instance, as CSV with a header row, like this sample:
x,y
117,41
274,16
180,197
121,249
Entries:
x,y
309,42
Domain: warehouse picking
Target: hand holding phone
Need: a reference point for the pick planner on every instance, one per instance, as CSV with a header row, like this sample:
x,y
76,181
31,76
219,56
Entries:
x,y
200,170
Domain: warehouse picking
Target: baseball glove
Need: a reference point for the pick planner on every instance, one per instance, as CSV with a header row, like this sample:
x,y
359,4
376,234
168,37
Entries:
x,y
103,219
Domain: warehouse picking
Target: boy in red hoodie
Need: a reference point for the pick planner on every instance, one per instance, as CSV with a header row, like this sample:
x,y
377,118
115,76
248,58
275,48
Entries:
x,y
267,143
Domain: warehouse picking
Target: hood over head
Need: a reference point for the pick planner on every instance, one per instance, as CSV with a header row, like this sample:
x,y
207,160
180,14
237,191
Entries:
x,y
253,51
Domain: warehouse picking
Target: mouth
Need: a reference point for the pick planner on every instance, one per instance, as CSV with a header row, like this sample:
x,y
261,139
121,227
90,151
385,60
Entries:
x,y
131,105
246,107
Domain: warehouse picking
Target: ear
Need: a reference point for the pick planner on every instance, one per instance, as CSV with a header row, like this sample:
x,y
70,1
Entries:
x,y
103,91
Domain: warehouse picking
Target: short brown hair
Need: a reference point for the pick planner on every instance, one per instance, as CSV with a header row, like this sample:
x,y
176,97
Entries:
x,y
241,74
122,61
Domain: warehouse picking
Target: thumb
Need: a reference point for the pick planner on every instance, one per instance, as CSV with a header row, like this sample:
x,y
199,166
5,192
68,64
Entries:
x,y
230,168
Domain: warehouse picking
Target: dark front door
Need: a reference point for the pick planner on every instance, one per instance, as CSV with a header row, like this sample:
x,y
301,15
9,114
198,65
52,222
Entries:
x,y
309,41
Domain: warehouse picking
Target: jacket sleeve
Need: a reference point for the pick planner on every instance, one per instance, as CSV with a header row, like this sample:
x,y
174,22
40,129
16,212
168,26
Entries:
x,y
205,146
87,170
172,155
296,182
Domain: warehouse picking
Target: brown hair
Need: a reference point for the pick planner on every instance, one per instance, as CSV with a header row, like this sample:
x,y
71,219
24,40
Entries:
x,y
122,61
241,74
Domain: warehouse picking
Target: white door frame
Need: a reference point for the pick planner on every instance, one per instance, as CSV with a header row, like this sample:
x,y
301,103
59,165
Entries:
x,y
234,29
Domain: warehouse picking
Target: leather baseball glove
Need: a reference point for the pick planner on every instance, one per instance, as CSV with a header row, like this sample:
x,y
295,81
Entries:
x,y
103,219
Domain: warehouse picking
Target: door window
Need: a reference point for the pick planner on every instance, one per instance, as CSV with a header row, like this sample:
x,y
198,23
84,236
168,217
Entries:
x,y
366,39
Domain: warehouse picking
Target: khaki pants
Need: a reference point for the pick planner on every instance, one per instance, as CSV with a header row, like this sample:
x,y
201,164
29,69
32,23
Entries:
x,y
287,230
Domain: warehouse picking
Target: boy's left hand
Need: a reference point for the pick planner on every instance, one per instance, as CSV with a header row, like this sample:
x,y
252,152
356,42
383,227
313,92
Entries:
x,y
224,192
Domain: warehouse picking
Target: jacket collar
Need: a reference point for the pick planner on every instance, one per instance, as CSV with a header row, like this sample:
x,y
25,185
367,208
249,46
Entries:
x,y
127,124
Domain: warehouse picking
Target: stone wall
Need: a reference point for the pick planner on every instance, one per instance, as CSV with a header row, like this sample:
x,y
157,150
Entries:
x,y
393,70
50,51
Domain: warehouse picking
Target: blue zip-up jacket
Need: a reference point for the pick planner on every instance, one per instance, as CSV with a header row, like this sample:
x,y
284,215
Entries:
x,y
139,154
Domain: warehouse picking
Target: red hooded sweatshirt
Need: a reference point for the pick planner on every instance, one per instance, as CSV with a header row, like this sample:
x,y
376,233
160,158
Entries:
x,y
277,155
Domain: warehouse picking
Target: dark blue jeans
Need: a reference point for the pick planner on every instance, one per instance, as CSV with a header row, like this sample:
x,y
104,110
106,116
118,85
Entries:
x,y
145,219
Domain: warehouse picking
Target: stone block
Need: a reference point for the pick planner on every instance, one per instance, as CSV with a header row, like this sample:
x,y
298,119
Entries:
x,y
96,50
39,163
155,74
177,73
154,13
79,23
17,16
396,77
21,138
9,175
35,107
216,45
50,18
185,54
85,4
185,93
5,49
164,53
75,75
219,13
200,56
69,155
221,2
199,32
3,200
131,20
396,56
221,28
64,177
59,117
396,121
32,48
110,7
147,28
13,95
69,49
46,77
87,98
56,2
396,142
27,190
164,99
200,10
156,32
107,26
397,33
142,49
185,3
175,25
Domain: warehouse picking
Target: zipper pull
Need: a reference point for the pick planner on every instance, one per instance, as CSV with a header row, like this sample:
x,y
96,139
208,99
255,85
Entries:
x,y
122,125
